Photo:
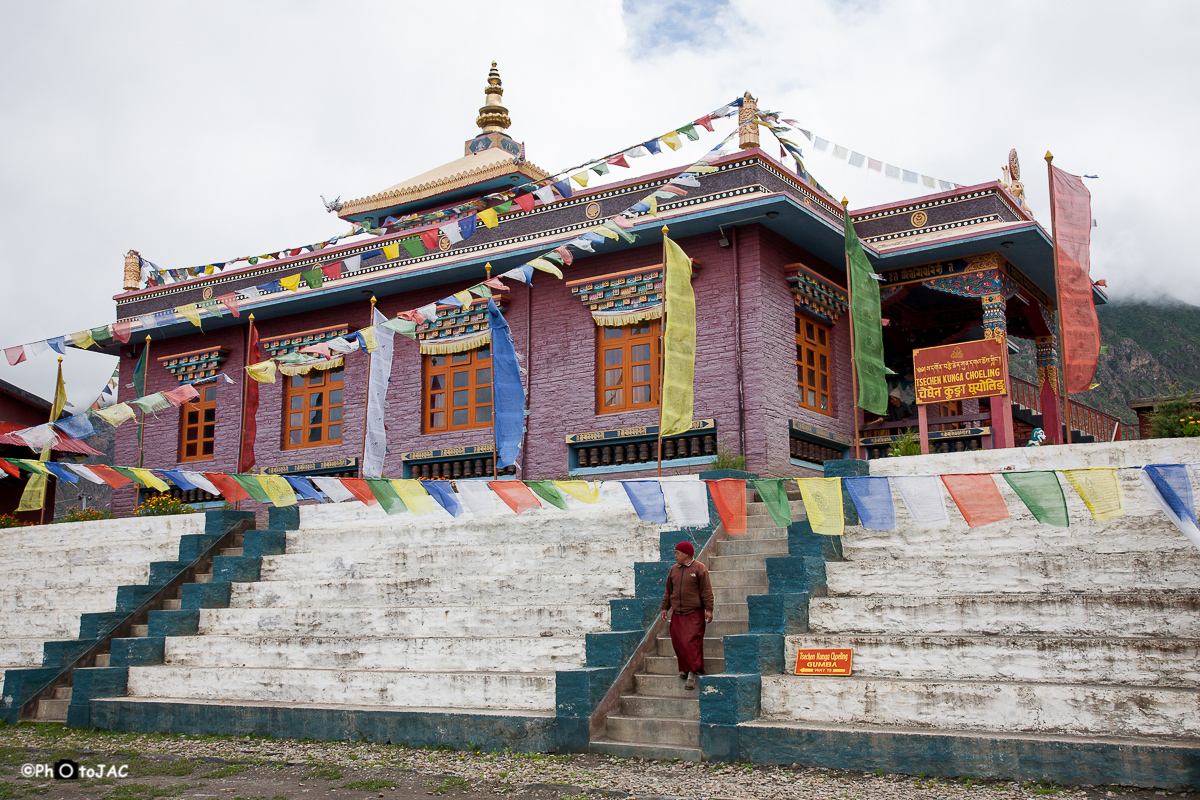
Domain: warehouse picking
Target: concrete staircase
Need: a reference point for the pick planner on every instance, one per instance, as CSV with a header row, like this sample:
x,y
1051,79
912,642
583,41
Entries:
x,y
1079,640
661,719
366,611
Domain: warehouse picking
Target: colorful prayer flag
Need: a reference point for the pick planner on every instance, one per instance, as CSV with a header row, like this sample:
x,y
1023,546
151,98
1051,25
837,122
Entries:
x,y
977,497
1042,494
509,395
679,342
380,375
774,496
548,491
1099,490
515,495
580,490
1072,241
872,498
647,499
729,496
823,504
413,493
922,496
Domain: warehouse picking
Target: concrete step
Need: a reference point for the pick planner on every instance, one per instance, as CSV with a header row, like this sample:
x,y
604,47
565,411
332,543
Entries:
x,y
1167,614
755,562
714,646
77,569
485,589
488,558
531,691
171,604
645,751
762,522
22,651
371,653
736,595
111,532
731,578
763,531
18,600
741,546
649,730
47,624
759,508
203,578
62,693
728,612
514,619
230,551
138,630
661,678
1083,709
1018,537
52,710
638,705
102,660
1092,573
1133,662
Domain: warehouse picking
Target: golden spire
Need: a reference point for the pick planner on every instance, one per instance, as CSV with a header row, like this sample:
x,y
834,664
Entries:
x,y
493,117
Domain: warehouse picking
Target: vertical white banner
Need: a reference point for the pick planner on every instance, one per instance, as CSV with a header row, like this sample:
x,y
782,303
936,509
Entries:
x,y
377,386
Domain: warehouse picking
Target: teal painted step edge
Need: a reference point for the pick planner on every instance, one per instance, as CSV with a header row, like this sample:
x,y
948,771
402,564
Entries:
x,y
533,734
980,755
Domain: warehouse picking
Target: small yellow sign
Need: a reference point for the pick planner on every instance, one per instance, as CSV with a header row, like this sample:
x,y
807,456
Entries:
x,y
824,661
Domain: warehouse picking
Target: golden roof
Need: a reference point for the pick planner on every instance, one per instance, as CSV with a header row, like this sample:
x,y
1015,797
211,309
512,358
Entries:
x,y
484,165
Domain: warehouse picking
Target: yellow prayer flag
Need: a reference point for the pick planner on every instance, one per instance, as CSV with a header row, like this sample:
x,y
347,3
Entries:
x,y
34,495
464,297
1099,490
823,504
580,490
59,403
149,479
368,335
291,283
391,251
679,343
581,178
191,312
83,339
489,217
414,496
115,415
278,490
701,169
605,232
546,265
263,371
671,140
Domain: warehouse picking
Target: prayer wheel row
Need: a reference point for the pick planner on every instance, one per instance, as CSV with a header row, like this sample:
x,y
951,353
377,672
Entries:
x,y
958,446
644,452
455,470
813,453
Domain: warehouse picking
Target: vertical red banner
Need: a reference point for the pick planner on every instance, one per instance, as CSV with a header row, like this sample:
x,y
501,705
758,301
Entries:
x,y
1072,241
250,407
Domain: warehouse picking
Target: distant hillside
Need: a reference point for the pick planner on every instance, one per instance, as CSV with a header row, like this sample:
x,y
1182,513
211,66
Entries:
x,y
1152,347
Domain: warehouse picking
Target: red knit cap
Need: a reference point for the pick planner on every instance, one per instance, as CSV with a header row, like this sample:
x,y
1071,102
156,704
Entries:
x,y
687,548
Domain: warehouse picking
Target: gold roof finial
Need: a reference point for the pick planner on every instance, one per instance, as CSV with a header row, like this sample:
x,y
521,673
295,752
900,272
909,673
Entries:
x,y
493,117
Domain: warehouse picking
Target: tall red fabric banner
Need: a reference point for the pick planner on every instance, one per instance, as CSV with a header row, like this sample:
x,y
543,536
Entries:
x,y
250,407
1072,240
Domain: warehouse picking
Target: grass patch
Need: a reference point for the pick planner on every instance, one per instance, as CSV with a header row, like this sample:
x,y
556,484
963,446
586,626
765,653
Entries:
x,y
370,786
227,770
450,785
143,791
177,767
1042,787
13,756
325,772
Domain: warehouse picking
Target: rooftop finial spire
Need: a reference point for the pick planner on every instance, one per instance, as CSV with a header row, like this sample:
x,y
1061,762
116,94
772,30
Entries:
x,y
493,117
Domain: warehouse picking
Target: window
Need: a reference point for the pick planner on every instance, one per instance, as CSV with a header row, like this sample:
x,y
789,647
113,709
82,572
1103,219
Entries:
x,y
458,390
812,365
628,367
313,416
199,426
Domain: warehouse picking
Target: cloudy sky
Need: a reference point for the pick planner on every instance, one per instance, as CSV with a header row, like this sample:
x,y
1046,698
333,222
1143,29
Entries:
x,y
201,131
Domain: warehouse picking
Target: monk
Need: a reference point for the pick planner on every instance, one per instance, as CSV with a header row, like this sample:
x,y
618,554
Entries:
x,y
689,598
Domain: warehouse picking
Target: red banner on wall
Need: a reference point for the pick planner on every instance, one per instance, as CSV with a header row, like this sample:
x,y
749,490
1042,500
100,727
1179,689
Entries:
x,y
250,411
1072,240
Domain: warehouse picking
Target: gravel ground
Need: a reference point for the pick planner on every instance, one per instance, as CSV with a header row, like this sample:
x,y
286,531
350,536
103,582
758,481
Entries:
x,y
280,769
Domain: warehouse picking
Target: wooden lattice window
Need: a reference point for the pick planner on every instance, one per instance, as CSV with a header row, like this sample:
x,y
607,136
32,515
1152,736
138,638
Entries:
x,y
313,410
627,368
812,365
458,390
199,429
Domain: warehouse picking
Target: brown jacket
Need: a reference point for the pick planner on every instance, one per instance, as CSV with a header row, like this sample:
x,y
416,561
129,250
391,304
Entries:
x,y
688,589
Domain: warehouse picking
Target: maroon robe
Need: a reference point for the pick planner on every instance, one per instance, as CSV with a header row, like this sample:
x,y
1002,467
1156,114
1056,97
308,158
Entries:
x,y
687,637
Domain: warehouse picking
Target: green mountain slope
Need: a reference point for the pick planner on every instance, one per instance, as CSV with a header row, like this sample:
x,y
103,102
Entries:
x,y
1153,348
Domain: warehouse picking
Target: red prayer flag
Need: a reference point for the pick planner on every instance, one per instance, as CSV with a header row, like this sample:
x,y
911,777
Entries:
x,y
332,271
705,122
515,495
15,355
184,394
567,255
9,468
412,316
494,283
295,251
618,161
672,188
230,301
729,496
977,497
230,489
525,201
430,239
360,489
250,408
122,329
1072,216
109,475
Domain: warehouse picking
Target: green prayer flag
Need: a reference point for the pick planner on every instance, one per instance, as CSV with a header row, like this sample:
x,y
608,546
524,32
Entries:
x,y
479,290
385,493
27,465
868,326
774,495
1103,348
251,485
548,492
504,207
601,168
413,246
101,334
404,327
150,403
555,257
139,374
689,131
314,278
1042,494
211,306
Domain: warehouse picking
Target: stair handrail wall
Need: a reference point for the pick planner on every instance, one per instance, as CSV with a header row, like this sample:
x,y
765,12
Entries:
x,y
1085,419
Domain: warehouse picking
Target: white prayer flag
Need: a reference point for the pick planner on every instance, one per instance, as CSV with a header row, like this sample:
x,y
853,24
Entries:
x,y
687,500
477,496
922,496
334,489
377,386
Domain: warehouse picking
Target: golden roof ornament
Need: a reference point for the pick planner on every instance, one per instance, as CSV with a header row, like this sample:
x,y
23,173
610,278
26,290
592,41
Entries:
x,y
133,271
1012,180
748,136
493,117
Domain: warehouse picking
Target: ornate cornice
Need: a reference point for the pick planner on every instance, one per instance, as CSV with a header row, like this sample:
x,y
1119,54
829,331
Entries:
x,y
449,183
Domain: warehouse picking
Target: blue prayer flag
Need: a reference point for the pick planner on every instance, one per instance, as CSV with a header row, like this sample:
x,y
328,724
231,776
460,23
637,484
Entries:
x,y
61,472
563,187
466,226
77,427
444,495
58,344
1175,486
648,501
304,488
177,477
509,401
653,146
873,500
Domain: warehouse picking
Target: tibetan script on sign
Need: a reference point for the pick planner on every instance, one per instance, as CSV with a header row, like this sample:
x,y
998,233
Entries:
x,y
960,371
824,661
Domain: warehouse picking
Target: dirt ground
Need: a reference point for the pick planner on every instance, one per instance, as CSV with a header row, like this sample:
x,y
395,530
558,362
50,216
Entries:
x,y
148,766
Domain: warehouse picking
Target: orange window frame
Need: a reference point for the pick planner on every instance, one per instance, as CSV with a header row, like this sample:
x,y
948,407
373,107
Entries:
x,y
458,390
812,365
628,360
198,426
312,411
